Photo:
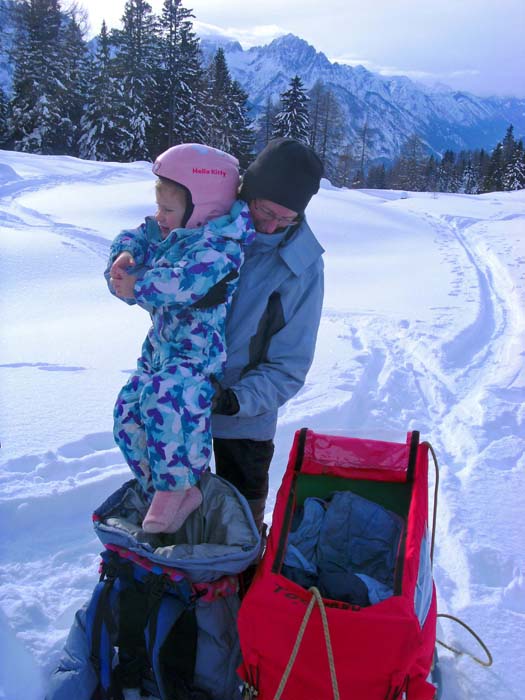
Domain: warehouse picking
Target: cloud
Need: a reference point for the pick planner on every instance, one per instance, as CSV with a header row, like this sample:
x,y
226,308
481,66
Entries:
x,y
426,76
247,37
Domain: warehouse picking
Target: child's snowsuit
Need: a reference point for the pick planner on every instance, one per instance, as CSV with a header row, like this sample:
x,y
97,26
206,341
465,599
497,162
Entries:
x,y
162,417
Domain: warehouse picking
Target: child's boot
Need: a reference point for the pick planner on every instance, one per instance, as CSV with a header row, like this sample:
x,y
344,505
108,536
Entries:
x,y
169,509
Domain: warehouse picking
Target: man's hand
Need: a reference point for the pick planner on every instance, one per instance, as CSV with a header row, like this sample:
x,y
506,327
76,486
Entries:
x,y
224,401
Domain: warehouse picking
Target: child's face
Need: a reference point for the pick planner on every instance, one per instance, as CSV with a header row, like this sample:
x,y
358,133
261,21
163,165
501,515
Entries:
x,y
171,205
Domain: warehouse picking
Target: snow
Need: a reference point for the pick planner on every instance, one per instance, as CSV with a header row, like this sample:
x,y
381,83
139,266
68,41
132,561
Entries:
x,y
423,328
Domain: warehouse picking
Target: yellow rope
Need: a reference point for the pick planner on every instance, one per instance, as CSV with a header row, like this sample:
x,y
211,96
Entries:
x,y
316,598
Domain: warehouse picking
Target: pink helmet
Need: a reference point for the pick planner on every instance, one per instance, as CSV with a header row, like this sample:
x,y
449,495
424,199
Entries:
x,y
210,175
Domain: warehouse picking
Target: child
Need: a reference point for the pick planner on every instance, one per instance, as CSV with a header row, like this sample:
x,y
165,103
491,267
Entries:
x,y
180,266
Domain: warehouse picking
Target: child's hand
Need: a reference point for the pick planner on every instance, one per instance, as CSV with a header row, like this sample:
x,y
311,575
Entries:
x,y
121,265
124,285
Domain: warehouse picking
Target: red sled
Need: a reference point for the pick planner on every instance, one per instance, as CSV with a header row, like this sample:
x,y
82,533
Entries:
x,y
297,645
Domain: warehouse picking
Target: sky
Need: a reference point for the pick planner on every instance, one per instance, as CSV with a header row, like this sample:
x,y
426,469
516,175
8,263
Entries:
x,y
423,328
471,45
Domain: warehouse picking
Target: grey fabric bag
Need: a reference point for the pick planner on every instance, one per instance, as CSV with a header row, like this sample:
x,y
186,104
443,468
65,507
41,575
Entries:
x,y
217,542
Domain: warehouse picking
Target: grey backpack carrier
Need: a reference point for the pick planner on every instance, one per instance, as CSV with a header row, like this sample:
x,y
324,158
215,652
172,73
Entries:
x,y
162,621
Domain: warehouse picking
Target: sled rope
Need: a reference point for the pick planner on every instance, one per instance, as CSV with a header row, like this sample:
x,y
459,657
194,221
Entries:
x,y
459,652
316,598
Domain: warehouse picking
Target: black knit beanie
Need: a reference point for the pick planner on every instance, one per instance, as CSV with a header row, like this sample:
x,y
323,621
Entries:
x,y
285,172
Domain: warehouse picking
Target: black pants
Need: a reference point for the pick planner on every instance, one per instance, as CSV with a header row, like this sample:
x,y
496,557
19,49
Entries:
x,y
245,464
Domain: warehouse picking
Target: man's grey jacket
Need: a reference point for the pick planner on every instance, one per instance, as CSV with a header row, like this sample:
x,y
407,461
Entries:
x,y
271,329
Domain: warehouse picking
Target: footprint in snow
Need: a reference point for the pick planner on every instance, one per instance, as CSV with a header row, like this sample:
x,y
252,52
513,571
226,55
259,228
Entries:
x,y
514,593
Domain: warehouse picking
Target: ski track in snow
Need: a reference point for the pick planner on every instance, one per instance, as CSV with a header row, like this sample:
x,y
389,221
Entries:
x,y
379,377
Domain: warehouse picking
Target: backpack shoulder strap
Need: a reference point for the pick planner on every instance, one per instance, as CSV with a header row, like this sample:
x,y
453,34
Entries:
x,y
101,631
171,638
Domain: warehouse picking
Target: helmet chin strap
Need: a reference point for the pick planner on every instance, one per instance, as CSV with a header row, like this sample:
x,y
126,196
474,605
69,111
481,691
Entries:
x,y
189,205
189,211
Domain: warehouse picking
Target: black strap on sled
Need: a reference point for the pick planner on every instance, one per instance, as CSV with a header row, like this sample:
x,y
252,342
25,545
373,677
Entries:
x,y
412,455
288,514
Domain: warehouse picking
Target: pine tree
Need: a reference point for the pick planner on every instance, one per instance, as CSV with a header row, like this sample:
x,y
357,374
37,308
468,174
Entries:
x,y
469,178
481,164
409,173
431,174
508,145
179,117
292,120
514,173
494,178
135,66
101,131
228,125
74,65
216,99
446,180
3,120
376,177
38,123
243,134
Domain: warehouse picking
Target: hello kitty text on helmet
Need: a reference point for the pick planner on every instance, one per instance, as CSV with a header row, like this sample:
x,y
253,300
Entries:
x,y
210,175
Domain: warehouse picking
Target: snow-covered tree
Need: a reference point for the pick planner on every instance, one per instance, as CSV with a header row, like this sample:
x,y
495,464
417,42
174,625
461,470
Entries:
x,y
135,66
228,126
74,65
508,145
242,132
219,81
292,120
469,178
179,116
514,173
3,119
101,127
494,178
447,180
38,123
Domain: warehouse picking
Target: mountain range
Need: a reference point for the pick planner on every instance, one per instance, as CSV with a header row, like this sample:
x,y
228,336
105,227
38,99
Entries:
x,y
394,108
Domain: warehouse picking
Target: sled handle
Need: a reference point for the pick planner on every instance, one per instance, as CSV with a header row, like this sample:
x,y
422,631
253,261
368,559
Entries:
x,y
435,502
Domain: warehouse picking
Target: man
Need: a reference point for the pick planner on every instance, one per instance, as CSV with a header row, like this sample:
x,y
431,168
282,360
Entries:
x,y
272,326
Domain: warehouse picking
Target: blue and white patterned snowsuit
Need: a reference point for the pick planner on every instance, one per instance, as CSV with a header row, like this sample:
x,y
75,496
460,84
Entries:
x,y
162,417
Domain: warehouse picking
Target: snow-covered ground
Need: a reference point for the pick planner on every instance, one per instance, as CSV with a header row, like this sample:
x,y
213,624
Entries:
x,y
423,328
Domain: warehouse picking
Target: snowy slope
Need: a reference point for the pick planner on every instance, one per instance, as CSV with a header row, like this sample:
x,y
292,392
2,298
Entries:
x,y
423,328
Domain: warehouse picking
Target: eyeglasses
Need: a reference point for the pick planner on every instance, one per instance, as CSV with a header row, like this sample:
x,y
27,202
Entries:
x,y
268,215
